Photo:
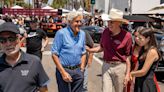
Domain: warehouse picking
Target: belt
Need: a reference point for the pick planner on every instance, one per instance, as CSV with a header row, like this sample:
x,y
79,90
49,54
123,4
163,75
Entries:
x,y
72,67
113,62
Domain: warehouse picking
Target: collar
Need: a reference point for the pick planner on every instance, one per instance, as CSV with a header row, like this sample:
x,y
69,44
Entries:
x,y
71,32
121,30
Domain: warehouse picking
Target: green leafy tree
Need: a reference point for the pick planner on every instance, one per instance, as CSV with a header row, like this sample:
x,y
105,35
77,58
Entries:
x,y
44,1
7,2
27,5
59,3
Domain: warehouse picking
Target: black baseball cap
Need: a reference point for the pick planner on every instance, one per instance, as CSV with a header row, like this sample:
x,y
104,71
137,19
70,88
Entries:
x,y
9,27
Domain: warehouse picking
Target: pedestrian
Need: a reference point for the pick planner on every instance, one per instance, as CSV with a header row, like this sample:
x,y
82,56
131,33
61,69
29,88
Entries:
x,y
22,30
19,71
34,41
148,59
69,54
116,44
89,56
134,61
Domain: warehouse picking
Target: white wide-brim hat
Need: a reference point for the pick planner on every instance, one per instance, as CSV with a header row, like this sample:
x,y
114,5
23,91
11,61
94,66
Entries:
x,y
117,15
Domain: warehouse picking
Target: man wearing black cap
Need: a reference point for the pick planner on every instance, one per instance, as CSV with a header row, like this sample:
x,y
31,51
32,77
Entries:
x,y
34,40
19,72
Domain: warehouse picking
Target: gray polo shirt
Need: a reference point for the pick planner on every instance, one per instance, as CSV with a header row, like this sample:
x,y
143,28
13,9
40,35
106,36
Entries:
x,y
26,76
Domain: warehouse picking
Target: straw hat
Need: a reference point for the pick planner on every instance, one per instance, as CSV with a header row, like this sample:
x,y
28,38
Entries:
x,y
117,15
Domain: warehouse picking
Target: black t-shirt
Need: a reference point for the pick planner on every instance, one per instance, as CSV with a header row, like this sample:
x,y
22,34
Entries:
x,y
34,40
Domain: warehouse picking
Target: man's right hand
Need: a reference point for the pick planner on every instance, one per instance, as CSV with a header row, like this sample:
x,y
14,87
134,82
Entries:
x,y
66,77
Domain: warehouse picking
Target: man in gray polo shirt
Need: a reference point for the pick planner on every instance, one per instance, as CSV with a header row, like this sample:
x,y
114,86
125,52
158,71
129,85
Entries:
x,y
19,72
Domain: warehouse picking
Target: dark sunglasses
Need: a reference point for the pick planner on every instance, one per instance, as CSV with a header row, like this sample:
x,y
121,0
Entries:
x,y
10,39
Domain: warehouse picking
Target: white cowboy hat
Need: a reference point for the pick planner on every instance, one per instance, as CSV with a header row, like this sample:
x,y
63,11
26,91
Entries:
x,y
117,15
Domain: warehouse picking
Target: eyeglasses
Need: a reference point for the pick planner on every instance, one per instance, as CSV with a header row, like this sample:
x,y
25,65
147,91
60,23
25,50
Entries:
x,y
10,39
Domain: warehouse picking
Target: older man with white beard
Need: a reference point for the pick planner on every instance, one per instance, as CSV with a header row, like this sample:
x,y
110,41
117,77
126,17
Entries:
x,y
19,72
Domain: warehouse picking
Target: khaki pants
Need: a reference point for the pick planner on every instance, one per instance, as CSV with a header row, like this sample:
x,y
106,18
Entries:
x,y
113,77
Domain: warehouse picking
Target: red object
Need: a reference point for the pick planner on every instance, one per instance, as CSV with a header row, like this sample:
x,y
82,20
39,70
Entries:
x,y
22,45
156,83
116,48
38,12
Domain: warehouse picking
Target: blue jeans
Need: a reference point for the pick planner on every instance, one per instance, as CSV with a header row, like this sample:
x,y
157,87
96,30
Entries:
x,y
85,83
75,86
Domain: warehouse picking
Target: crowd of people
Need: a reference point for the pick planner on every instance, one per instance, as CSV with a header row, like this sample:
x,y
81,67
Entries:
x,y
127,66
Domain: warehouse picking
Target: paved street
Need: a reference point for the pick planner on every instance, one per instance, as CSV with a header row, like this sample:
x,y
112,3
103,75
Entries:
x,y
94,75
94,72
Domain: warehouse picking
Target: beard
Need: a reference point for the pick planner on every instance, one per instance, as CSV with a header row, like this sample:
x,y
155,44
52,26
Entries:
x,y
11,50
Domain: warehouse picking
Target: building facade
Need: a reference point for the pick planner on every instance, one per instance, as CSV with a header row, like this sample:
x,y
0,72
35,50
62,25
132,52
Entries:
x,y
127,6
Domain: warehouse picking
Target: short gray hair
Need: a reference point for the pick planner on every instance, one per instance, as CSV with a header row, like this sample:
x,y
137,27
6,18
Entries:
x,y
73,15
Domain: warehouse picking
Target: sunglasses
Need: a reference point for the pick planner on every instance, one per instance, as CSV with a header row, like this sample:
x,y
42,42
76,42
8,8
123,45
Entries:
x,y
10,39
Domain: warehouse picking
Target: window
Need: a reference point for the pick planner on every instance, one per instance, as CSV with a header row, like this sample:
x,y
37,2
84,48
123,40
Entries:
x,y
162,1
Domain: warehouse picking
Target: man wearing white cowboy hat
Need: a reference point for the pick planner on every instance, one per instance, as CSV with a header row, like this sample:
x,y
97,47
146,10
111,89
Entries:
x,y
116,44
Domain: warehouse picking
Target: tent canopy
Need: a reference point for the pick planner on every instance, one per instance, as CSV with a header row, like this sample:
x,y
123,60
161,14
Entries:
x,y
73,9
158,7
83,11
47,7
138,18
16,7
158,11
63,10
80,9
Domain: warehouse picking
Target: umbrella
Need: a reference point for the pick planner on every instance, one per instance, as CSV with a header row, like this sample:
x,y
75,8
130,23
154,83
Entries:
x,y
138,18
16,7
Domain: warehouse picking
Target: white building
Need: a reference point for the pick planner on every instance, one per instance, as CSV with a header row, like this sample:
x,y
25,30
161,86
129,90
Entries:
x,y
142,6
137,6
